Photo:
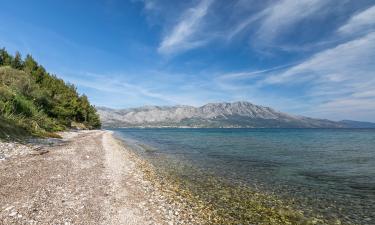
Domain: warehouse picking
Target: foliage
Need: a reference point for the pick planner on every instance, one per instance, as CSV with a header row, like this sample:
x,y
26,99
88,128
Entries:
x,y
39,102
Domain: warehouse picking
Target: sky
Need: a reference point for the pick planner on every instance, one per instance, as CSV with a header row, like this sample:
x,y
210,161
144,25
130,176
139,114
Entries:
x,y
307,57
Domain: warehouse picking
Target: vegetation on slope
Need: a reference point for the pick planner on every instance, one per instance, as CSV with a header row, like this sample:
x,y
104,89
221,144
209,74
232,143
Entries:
x,y
36,101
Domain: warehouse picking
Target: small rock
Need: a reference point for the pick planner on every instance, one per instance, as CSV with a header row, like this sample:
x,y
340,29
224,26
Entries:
x,y
9,208
13,213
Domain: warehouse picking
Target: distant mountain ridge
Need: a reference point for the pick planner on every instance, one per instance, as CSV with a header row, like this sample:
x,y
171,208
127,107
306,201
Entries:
x,y
215,115
357,124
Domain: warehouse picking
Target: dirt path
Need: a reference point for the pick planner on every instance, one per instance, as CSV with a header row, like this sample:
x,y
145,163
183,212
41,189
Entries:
x,y
87,179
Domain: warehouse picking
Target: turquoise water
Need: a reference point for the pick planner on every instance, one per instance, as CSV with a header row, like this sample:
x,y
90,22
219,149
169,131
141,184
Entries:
x,y
330,170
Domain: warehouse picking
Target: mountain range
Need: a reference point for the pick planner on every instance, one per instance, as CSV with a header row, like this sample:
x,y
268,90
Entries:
x,y
215,115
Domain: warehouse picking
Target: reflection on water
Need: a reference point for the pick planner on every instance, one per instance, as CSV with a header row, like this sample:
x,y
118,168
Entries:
x,y
331,170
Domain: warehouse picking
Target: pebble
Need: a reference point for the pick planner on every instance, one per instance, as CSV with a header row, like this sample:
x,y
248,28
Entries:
x,y
13,213
9,208
11,149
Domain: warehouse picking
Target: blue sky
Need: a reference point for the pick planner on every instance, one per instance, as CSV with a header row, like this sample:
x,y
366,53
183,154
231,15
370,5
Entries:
x,y
307,57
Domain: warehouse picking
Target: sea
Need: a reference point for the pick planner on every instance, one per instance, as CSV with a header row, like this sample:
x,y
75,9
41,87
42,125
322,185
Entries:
x,y
331,171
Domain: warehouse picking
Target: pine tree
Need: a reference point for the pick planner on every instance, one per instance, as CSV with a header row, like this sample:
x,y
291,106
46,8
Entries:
x,y
5,58
30,65
39,101
17,62
1,57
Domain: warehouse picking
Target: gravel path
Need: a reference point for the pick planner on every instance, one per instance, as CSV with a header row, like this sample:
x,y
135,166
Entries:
x,y
87,178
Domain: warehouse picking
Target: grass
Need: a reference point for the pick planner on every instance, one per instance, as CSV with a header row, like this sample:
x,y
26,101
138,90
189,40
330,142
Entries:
x,y
11,131
14,130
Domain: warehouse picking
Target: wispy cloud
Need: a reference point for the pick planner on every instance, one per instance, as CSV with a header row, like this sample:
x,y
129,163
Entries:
x,y
244,24
263,22
111,83
251,74
180,89
337,79
182,36
283,15
348,61
360,22
335,83
278,17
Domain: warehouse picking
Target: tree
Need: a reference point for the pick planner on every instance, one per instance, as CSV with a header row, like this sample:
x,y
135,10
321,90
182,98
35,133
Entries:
x,y
39,74
1,57
17,62
39,101
30,65
5,58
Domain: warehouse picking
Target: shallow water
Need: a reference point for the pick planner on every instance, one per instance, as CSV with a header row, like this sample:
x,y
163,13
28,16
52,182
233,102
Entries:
x,y
331,171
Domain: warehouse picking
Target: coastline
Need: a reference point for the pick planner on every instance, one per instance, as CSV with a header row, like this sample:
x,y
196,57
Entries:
x,y
220,201
225,200
89,177
93,177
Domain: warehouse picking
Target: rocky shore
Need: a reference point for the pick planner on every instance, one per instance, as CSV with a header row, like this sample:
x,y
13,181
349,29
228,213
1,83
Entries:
x,y
87,177
13,149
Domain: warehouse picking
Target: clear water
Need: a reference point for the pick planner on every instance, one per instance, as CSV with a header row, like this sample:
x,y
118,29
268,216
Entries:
x,y
330,170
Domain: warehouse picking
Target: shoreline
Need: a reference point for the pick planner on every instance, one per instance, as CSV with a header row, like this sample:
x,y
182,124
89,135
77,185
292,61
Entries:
x,y
89,177
219,201
161,198
94,177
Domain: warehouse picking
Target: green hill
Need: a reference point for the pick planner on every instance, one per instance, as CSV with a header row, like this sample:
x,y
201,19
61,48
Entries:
x,y
35,102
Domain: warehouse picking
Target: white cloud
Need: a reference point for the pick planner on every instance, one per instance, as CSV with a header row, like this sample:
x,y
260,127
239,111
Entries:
x,y
283,15
152,91
244,24
194,29
339,80
359,23
346,108
111,84
182,36
279,17
349,61
337,83
251,74
365,94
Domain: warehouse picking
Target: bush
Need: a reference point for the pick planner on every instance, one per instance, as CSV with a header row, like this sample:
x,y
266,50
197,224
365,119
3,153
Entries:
x,y
40,102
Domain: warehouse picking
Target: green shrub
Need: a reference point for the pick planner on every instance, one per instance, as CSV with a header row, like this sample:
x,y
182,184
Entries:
x,y
39,102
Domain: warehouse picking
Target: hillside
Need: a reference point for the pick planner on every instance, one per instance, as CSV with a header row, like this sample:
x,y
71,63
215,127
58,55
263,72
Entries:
x,y
33,101
357,124
236,114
